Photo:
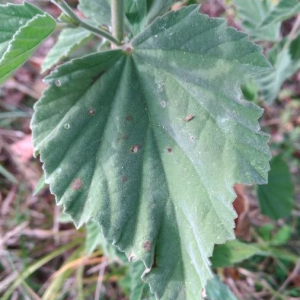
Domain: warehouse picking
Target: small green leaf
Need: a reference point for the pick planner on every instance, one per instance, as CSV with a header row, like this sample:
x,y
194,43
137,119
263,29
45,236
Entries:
x,y
217,290
40,186
96,10
250,90
139,13
149,141
232,252
69,40
286,62
285,10
93,236
265,231
276,199
282,236
25,41
12,18
252,14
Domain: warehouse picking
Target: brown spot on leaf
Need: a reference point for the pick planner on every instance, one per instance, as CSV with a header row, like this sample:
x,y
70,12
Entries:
x,y
189,118
169,149
77,184
135,148
147,246
124,179
129,118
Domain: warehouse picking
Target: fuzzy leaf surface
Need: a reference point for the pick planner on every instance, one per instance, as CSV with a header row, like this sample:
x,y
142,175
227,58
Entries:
x,y
253,13
69,40
26,40
149,143
139,290
217,290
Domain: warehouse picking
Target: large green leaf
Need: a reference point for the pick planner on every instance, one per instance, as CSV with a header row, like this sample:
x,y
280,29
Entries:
x,y
276,199
286,61
283,11
139,13
69,40
26,39
252,14
149,141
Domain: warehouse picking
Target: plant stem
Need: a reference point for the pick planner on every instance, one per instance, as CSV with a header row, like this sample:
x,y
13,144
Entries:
x,y
117,19
62,4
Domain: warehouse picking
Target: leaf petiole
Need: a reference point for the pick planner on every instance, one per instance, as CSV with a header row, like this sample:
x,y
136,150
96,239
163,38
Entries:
x,y
117,17
63,5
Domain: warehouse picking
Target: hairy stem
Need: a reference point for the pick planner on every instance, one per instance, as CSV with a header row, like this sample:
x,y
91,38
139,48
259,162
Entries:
x,y
117,19
62,4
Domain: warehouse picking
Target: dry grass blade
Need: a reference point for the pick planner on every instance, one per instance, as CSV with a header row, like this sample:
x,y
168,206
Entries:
x,y
31,269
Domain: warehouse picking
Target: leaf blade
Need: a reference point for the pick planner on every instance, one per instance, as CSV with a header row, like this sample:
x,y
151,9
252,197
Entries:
x,y
12,18
283,11
286,64
252,14
133,150
24,43
69,40
276,198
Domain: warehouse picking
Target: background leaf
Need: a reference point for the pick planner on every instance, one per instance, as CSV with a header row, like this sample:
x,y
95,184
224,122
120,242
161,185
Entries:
x,y
253,13
69,40
138,13
12,18
232,252
141,13
25,41
282,236
283,11
286,62
93,236
276,198
96,10
137,138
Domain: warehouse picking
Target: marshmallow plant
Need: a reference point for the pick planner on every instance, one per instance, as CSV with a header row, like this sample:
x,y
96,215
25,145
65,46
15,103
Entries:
x,y
147,134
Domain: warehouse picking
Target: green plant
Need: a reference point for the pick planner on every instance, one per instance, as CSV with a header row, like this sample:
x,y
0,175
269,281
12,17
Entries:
x,y
148,135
